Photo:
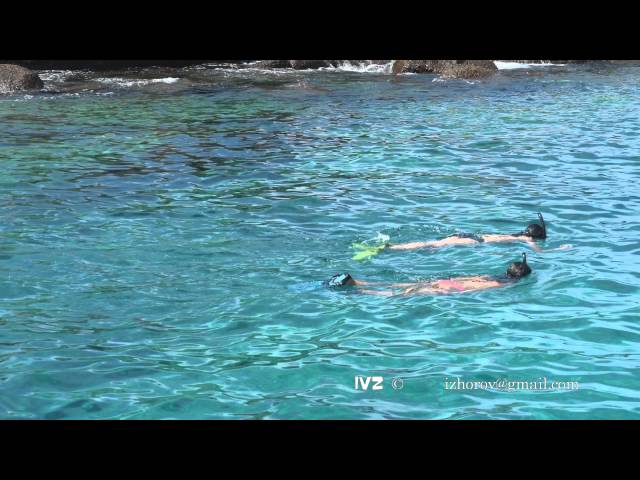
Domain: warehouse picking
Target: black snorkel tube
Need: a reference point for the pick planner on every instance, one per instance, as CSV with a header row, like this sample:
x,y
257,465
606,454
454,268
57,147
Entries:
x,y
543,225
515,272
526,269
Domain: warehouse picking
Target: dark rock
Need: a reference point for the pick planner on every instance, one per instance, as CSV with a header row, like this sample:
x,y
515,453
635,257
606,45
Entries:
x,y
447,68
295,64
468,69
306,64
14,78
107,64
414,66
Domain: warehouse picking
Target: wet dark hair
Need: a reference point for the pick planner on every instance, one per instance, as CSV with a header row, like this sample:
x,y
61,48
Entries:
x,y
537,231
519,269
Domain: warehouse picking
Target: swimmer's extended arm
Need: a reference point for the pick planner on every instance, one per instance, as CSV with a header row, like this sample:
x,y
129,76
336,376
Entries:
x,y
455,240
383,293
534,245
410,246
511,238
360,283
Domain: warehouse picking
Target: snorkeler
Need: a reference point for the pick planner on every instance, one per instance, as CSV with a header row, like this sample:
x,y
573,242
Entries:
x,y
530,234
515,272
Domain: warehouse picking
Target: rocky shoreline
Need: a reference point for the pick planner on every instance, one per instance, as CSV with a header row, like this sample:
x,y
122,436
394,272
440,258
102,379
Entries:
x,y
21,75
15,78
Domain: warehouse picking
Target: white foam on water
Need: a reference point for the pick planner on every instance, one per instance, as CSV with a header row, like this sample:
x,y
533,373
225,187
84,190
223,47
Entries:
x,y
345,66
382,237
234,72
445,79
364,67
165,80
54,75
367,67
515,65
248,67
124,82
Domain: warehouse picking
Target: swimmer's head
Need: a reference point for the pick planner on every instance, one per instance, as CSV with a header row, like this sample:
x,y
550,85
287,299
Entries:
x,y
340,280
535,230
519,269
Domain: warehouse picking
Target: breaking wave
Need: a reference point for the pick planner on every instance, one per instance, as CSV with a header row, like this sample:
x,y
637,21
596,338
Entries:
x,y
502,65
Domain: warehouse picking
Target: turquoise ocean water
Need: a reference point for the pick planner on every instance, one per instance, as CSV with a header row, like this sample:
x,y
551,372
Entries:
x,y
162,244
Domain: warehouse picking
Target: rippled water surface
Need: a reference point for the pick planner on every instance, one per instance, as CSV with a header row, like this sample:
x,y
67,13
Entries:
x,y
162,243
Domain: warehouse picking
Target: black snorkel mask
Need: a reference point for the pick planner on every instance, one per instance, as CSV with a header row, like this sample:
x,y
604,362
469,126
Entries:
x,y
537,231
517,270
